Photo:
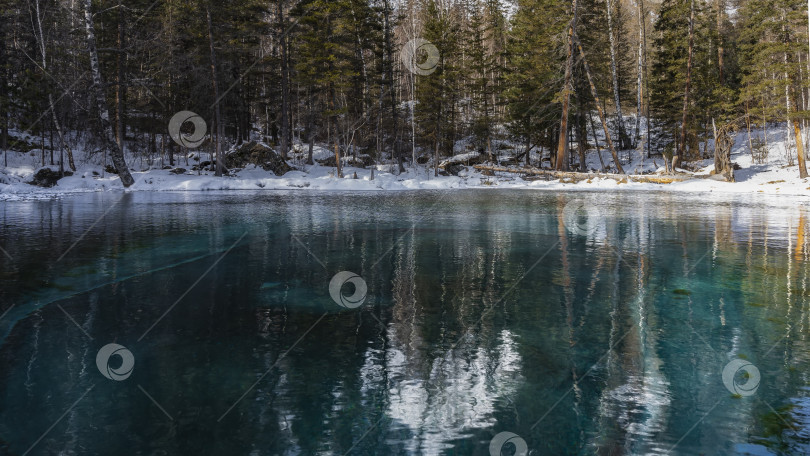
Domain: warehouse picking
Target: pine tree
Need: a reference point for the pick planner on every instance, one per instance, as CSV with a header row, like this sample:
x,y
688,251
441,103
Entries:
x,y
436,93
671,71
484,48
770,67
534,75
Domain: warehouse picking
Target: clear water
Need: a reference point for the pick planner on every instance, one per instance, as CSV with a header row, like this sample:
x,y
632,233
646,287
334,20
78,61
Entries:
x,y
485,313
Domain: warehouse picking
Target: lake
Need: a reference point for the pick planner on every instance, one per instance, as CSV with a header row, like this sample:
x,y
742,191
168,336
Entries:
x,y
258,323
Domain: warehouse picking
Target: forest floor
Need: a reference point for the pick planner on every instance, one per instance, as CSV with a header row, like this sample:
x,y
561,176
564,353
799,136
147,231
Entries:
x,y
775,176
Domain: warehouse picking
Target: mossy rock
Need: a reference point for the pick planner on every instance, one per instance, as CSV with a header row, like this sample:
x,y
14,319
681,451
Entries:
x,y
253,153
328,161
48,178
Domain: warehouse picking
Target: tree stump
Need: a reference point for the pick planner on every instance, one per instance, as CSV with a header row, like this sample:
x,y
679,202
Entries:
x,y
723,142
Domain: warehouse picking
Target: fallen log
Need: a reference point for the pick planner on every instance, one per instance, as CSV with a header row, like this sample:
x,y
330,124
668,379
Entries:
x,y
578,177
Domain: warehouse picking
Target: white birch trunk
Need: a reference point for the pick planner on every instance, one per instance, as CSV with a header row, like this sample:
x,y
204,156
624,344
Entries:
x,y
108,137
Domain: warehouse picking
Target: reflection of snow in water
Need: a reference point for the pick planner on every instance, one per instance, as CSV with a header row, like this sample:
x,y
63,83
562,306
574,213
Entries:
x,y
638,405
460,394
640,397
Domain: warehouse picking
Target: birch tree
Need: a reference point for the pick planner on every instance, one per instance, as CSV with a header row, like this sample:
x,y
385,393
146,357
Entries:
x,y
614,73
107,135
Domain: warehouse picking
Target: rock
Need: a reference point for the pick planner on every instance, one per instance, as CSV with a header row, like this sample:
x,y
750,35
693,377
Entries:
x,y
178,171
210,166
454,170
362,161
468,159
329,161
253,153
47,177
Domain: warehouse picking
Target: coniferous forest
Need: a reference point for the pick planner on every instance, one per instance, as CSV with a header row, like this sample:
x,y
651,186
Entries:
x,y
404,227
399,81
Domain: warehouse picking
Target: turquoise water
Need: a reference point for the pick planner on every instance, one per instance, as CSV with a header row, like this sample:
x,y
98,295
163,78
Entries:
x,y
599,331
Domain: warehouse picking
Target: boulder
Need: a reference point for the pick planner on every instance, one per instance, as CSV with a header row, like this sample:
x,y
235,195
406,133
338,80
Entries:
x,y
362,161
253,153
47,177
468,159
328,161
454,169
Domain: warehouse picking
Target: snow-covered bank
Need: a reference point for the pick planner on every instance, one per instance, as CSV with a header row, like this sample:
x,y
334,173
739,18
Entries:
x,y
774,177
771,179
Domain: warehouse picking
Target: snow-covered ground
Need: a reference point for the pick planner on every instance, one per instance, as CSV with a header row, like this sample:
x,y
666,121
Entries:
x,y
774,177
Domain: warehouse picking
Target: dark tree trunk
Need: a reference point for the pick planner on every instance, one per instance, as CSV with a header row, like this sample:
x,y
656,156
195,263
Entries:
x,y
797,130
562,146
389,59
676,161
582,137
217,101
723,143
310,126
614,71
599,108
285,85
721,66
121,88
4,102
51,104
596,143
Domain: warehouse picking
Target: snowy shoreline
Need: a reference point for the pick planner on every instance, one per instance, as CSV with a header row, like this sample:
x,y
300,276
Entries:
x,y
775,177
772,181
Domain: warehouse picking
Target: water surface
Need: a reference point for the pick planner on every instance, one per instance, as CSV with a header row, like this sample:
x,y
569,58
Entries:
x,y
485,312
